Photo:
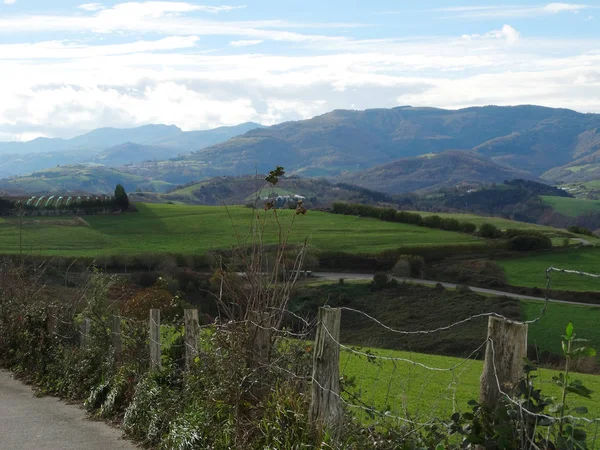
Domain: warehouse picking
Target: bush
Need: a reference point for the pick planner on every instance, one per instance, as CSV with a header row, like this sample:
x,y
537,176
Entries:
x,y
402,267
387,214
529,242
581,230
463,288
432,221
450,224
468,227
409,266
380,280
409,218
489,231
512,232
145,279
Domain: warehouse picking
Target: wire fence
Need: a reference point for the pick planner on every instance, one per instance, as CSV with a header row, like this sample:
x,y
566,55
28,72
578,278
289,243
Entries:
x,y
377,386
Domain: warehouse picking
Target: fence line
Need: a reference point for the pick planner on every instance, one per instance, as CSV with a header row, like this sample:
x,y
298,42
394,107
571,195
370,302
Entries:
x,y
327,395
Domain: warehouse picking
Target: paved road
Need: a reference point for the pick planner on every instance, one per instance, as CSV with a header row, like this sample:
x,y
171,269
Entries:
x,y
30,423
364,276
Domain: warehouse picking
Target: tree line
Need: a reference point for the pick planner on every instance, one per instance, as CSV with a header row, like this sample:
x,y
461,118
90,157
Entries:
x,y
518,240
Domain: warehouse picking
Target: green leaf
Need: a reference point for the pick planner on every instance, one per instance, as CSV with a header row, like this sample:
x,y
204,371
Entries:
x,y
580,410
579,390
569,330
556,408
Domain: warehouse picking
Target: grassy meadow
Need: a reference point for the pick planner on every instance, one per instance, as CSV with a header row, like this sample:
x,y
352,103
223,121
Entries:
x,y
408,390
530,270
197,229
572,207
546,333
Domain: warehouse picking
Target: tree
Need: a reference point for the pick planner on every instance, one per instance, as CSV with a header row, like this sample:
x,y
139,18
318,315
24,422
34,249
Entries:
x,y
121,199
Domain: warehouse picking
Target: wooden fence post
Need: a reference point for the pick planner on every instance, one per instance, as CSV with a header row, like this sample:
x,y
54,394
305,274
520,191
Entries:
x,y
191,336
261,339
155,353
51,322
116,337
506,348
326,406
84,332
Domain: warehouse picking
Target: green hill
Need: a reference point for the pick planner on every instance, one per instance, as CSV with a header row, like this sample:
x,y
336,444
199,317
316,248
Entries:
x,y
434,171
197,229
81,178
508,142
572,207
244,190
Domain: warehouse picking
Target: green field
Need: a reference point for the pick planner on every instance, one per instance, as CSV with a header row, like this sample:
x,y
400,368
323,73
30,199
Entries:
x,y
530,270
572,207
197,229
408,390
546,333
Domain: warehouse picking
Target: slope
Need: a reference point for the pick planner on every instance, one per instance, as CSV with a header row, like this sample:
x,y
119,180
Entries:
x,y
530,137
433,171
111,146
244,190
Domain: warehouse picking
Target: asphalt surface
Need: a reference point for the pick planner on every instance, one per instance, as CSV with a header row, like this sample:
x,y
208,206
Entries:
x,y
365,276
31,423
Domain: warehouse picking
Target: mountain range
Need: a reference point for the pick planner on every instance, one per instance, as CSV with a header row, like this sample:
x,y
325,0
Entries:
x,y
393,150
111,147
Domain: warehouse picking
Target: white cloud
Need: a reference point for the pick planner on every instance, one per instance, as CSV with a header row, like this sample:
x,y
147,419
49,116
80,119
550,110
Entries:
x,y
510,11
10,2
68,50
91,6
507,33
63,87
166,18
245,42
554,8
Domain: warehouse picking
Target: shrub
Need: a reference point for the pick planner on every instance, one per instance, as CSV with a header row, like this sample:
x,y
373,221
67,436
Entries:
x,y
581,230
409,218
468,227
380,280
450,224
512,232
145,279
387,214
409,266
463,288
489,231
402,267
432,221
529,242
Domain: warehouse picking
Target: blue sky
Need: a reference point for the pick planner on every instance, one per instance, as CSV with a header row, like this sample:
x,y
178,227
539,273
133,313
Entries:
x,y
70,66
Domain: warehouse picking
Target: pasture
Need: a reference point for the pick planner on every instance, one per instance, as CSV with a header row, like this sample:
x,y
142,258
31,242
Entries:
x,y
572,207
546,333
408,390
162,228
530,270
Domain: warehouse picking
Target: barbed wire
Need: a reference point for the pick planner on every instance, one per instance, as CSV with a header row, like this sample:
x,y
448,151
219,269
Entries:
x,y
394,358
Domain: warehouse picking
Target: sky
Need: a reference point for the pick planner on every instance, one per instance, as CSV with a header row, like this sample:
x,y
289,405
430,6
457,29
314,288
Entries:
x,y
67,67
